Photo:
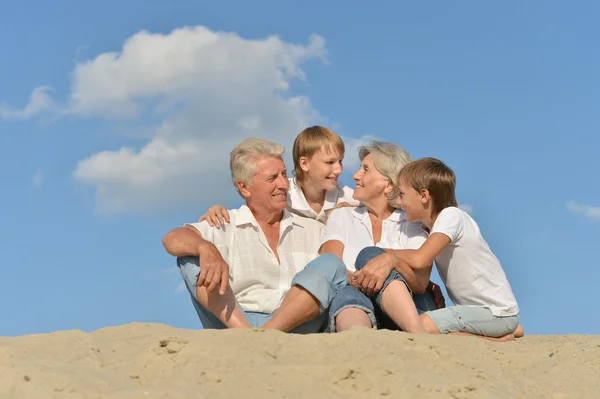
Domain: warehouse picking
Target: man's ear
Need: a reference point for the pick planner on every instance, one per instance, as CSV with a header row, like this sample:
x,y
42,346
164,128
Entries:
x,y
303,161
244,189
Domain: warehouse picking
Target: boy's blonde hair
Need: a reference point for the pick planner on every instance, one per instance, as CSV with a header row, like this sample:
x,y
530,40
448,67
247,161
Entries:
x,y
310,141
432,175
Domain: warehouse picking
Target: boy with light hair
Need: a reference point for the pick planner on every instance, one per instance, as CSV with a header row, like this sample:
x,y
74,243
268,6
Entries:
x,y
314,190
485,305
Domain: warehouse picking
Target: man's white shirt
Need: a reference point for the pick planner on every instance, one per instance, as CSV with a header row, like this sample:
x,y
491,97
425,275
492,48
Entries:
x,y
258,281
298,204
352,226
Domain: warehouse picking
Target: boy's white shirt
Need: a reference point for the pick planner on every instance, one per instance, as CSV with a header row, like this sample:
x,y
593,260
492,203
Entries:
x,y
353,228
298,204
471,272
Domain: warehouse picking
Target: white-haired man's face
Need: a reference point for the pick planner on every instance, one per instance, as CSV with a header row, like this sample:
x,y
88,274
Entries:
x,y
269,186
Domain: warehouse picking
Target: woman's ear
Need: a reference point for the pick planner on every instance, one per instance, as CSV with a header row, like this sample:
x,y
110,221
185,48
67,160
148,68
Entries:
x,y
389,188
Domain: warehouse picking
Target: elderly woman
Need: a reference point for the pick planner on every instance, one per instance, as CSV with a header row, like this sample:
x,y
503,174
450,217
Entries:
x,y
351,233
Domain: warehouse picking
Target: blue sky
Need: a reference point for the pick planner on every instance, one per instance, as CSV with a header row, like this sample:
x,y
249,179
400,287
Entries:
x,y
127,133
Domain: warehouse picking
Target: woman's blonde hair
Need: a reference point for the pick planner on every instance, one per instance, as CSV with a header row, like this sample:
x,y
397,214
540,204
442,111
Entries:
x,y
310,141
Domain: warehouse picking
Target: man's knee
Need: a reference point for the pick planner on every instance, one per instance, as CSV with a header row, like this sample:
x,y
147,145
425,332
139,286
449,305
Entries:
x,y
365,255
322,278
329,266
182,260
189,267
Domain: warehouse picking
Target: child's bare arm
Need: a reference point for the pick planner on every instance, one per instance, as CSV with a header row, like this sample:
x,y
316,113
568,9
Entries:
x,y
422,258
216,216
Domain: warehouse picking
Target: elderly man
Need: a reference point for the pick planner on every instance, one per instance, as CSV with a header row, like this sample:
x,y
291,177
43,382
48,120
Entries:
x,y
260,269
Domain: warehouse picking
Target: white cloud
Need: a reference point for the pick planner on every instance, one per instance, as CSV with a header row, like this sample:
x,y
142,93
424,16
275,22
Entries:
x,y
589,212
201,92
467,208
38,179
210,90
39,102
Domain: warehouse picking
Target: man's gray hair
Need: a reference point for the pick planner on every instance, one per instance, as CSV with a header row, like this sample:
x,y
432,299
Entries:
x,y
245,156
388,159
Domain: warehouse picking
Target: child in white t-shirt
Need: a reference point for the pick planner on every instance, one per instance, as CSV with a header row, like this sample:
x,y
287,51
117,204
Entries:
x,y
474,279
314,190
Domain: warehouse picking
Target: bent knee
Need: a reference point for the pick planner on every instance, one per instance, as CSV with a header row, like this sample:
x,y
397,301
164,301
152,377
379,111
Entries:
x,y
366,254
330,266
182,260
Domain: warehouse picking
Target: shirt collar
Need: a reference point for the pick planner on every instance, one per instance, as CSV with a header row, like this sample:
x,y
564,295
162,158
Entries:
x,y
361,213
331,197
245,216
296,196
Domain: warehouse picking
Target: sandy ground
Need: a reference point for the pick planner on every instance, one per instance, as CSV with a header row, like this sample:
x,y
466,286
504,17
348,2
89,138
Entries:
x,y
157,361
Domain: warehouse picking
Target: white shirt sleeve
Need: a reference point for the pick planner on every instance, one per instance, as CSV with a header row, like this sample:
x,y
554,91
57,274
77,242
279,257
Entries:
x,y
334,229
414,236
207,232
449,222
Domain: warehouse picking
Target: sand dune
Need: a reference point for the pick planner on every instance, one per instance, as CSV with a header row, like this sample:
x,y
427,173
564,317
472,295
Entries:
x,y
157,361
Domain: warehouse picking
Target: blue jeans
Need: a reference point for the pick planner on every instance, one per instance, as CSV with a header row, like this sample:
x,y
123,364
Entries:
x,y
473,320
322,278
350,297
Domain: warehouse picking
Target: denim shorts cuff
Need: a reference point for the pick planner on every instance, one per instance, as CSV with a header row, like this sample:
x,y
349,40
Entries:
x,y
317,285
368,311
394,275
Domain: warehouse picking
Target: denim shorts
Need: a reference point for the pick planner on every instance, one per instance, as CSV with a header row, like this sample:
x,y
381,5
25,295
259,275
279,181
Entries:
x,y
350,297
473,320
322,278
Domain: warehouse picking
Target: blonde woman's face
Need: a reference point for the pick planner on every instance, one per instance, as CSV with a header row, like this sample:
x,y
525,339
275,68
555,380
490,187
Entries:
x,y
370,183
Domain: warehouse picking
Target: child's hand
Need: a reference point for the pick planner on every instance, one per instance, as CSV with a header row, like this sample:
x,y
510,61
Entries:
x,y
435,291
216,216
372,277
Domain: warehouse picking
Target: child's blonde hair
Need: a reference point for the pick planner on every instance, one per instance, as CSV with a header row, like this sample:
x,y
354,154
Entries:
x,y
310,141
432,175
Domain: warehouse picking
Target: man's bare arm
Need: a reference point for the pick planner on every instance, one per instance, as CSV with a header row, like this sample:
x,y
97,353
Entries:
x,y
184,241
187,241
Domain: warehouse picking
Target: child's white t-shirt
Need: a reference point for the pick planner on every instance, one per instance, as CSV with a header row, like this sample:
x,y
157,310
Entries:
x,y
298,204
471,272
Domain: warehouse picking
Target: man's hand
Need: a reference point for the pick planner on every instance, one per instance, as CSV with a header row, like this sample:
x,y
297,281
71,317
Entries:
x,y
435,291
213,269
216,216
371,278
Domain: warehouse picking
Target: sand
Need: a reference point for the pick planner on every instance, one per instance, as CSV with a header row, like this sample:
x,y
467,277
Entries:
x,y
157,361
